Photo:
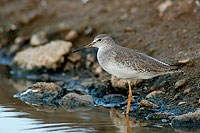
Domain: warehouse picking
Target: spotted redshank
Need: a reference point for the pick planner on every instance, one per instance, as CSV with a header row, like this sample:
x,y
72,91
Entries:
x,y
127,64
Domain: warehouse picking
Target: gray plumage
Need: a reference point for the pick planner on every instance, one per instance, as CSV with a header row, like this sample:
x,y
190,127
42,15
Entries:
x,y
127,63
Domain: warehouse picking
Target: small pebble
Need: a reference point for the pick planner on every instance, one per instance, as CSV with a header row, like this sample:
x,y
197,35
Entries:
x,y
146,103
136,82
96,69
43,3
118,82
71,35
19,40
123,17
177,96
152,88
180,103
134,10
154,94
89,60
185,61
158,116
188,90
89,31
164,120
163,7
180,83
14,48
85,1
74,57
27,19
38,38
63,27
129,29
184,31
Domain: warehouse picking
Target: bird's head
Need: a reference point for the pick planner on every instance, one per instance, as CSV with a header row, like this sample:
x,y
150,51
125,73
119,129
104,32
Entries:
x,y
99,41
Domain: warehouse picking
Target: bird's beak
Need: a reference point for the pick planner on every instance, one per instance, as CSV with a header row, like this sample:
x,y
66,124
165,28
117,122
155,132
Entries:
x,y
82,48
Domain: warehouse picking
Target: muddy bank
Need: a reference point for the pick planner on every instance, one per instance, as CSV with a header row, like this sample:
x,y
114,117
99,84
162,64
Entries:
x,y
39,37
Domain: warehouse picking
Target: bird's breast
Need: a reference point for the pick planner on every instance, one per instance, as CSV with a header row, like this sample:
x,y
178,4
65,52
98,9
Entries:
x,y
118,69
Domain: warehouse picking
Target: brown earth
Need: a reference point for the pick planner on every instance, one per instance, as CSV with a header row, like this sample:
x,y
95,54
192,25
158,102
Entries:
x,y
172,36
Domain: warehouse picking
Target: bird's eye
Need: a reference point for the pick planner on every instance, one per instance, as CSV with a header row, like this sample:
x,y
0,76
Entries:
x,y
99,40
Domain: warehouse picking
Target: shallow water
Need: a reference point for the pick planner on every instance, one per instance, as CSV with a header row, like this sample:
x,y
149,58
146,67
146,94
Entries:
x,y
17,116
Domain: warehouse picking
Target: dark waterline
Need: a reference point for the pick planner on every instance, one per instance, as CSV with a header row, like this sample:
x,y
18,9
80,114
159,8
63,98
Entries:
x,y
17,116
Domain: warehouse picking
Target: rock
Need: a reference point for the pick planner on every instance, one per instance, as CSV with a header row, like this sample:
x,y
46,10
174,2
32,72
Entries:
x,y
180,83
188,90
163,83
144,111
19,40
85,1
124,17
111,100
38,38
1,30
71,35
134,10
158,116
136,82
63,27
96,69
89,31
152,88
187,120
74,102
133,100
14,48
180,103
185,61
163,6
177,96
118,82
197,3
74,57
3,42
41,93
89,60
69,66
87,82
27,19
43,3
155,94
11,27
129,29
146,103
49,55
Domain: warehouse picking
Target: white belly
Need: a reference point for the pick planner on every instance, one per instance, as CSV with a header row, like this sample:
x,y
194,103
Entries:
x,y
109,64
125,73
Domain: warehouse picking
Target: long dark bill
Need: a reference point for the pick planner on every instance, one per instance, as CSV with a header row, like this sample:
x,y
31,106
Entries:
x,y
79,49
82,48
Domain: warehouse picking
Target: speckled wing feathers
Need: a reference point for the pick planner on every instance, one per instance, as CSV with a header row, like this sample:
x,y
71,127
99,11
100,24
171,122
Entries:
x,y
141,62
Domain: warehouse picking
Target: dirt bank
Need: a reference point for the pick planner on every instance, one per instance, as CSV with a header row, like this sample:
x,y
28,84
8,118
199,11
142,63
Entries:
x,y
167,30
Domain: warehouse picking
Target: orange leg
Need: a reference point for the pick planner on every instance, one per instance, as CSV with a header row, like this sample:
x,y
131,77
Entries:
x,y
129,98
128,124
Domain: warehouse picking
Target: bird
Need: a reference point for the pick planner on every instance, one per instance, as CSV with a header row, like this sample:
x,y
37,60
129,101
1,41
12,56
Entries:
x,y
128,64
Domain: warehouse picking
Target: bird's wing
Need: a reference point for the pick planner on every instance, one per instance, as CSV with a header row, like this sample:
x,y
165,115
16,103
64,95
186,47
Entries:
x,y
141,62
